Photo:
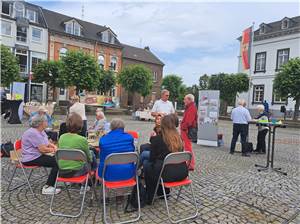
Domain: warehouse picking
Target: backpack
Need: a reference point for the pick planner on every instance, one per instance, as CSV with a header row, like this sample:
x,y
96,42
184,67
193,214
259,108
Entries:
x,y
132,199
6,148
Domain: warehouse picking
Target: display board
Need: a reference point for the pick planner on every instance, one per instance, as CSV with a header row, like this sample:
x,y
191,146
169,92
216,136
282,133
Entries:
x,y
208,114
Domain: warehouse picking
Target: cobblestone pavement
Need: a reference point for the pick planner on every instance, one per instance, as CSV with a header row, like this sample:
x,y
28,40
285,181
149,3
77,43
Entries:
x,y
228,187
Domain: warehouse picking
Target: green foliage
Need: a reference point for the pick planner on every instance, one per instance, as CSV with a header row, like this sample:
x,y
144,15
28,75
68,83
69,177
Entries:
x,y
81,70
107,80
136,79
50,73
172,83
287,82
229,85
9,67
203,82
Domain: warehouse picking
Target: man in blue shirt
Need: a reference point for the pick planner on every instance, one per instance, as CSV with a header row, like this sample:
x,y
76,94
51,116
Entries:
x,y
240,117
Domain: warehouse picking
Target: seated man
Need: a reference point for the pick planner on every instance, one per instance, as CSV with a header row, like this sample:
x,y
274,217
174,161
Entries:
x,y
35,146
43,111
72,140
99,124
116,141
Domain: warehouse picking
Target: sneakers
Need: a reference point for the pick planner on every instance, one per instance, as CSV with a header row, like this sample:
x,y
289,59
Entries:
x,y
50,190
88,188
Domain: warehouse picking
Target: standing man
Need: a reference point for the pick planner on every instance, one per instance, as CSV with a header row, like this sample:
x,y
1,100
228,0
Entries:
x,y
240,117
189,121
163,106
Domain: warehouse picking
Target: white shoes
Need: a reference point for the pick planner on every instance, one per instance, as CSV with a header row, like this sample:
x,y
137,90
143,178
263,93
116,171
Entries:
x,y
50,190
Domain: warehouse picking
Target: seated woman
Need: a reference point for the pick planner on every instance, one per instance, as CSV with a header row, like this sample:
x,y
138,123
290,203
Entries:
x,y
262,130
145,148
99,124
43,111
72,140
161,145
116,141
35,146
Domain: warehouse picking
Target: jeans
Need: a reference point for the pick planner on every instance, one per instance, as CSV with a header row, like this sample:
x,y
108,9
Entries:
x,y
144,158
46,161
239,129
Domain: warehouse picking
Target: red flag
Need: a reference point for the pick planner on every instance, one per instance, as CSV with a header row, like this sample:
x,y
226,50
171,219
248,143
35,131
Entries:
x,y
246,40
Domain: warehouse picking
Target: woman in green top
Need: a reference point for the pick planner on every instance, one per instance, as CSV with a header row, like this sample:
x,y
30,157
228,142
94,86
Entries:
x,y
72,140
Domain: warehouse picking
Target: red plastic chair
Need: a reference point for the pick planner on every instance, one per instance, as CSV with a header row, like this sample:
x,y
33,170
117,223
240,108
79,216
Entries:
x,y
121,158
71,155
176,158
19,165
135,136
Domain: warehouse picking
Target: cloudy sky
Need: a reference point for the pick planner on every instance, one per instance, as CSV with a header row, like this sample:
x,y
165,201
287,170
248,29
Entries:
x,y
191,37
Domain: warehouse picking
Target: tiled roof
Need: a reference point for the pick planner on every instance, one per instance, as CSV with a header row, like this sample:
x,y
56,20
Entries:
x,y
140,54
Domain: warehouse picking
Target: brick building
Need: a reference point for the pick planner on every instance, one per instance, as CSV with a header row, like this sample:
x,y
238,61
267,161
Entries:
x,y
133,55
68,33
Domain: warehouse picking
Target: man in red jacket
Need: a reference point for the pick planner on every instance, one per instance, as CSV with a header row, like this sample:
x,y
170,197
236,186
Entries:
x,y
189,120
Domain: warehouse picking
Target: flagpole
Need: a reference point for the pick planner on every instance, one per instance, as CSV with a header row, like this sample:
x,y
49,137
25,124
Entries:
x,y
250,61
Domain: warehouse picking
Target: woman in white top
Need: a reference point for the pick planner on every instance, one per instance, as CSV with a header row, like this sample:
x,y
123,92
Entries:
x,y
79,108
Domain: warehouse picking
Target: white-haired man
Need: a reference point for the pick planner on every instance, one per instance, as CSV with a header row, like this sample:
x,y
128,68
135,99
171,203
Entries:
x,y
163,106
189,120
240,117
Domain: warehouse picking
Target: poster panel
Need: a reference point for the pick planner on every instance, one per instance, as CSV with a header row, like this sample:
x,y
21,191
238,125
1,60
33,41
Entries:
x,y
208,114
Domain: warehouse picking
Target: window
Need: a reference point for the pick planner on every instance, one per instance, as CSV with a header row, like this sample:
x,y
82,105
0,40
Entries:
x,y
155,77
31,15
105,36
101,61
35,61
21,33
277,99
72,28
36,34
113,63
22,58
260,62
62,52
282,57
69,28
19,9
5,28
285,24
5,8
258,93
262,29
76,29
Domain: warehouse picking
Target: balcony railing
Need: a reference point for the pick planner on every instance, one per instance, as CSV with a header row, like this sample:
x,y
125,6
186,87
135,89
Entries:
x,y
21,39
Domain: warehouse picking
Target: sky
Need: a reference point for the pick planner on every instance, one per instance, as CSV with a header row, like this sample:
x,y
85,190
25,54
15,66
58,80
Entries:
x,y
191,37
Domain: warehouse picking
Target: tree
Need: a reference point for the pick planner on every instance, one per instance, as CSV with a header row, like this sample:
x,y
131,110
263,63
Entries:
x,y
287,82
136,79
9,67
229,85
173,84
107,81
203,82
80,70
50,73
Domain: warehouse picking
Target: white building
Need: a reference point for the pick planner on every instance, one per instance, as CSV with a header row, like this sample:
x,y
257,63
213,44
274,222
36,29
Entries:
x,y
24,30
273,45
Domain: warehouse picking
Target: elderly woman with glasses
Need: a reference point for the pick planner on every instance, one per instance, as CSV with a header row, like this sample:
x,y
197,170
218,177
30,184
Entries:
x,y
35,150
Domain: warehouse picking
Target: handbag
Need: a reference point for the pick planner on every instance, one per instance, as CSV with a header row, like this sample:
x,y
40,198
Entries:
x,y
192,134
6,148
132,199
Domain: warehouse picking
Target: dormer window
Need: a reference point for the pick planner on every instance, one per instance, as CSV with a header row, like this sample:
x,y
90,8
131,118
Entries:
x,y
19,9
72,27
285,24
107,36
262,29
31,15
